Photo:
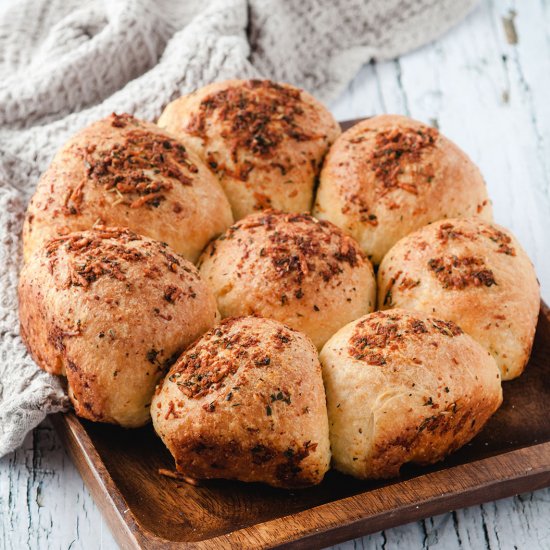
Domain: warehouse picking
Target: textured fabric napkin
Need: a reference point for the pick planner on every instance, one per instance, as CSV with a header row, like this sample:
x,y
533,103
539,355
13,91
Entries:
x,y
66,63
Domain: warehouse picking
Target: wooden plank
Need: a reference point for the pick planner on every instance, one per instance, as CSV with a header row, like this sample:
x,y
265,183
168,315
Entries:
x,y
44,502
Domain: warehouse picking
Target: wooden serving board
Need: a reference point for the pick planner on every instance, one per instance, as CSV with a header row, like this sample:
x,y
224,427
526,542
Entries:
x,y
147,510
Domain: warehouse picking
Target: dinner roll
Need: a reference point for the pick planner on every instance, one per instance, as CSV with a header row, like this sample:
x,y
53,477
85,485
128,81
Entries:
x,y
390,175
265,141
124,172
403,387
293,268
473,273
111,311
246,402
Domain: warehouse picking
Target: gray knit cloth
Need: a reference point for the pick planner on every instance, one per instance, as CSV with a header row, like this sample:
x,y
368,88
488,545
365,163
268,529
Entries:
x,y
66,63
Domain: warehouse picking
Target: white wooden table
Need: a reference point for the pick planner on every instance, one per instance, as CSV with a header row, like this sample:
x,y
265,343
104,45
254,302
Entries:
x,y
493,99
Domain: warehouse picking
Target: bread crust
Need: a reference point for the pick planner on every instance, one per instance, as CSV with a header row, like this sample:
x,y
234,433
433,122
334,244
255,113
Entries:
x,y
390,175
266,141
473,273
111,311
124,172
246,402
404,387
291,267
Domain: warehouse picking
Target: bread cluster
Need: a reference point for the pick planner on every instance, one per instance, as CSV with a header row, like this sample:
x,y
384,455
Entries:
x,y
111,310
247,402
404,387
294,268
266,349
473,273
265,141
124,172
389,175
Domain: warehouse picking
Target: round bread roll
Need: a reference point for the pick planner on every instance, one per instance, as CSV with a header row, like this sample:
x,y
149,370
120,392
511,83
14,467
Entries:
x,y
403,387
473,273
390,175
291,267
123,172
111,311
265,141
246,402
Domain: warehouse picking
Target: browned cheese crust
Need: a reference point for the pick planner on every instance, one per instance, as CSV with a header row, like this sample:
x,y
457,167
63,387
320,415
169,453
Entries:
x,y
123,172
290,267
111,311
265,141
246,402
390,175
473,273
403,387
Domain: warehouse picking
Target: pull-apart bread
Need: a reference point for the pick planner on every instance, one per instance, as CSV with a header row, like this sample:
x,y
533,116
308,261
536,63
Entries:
x,y
390,175
294,268
403,387
124,172
246,402
111,311
110,299
265,141
473,273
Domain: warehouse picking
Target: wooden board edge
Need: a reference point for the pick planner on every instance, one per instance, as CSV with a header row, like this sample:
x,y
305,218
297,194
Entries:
x,y
522,470
104,491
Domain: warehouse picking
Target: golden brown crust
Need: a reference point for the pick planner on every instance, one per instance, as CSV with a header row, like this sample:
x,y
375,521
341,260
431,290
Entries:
x,y
290,267
390,175
124,172
246,402
265,141
111,310
403,387
473,273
